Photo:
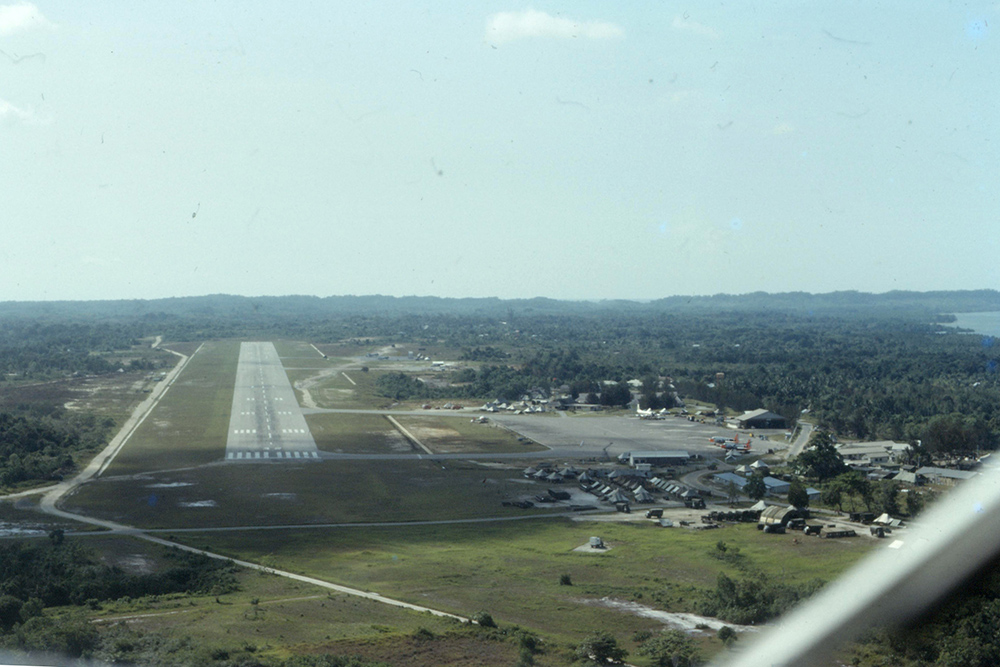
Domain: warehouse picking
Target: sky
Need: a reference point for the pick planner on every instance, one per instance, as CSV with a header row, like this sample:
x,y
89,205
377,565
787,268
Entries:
x,y
573,150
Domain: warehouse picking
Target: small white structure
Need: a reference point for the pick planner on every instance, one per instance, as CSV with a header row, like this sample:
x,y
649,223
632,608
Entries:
x,y
596,543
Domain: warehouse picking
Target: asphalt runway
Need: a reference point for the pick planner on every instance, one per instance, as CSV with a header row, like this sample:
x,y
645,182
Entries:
x,y
266,422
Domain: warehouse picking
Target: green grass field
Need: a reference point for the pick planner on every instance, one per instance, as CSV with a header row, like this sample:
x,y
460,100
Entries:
x,y
513,570
189,425
360,433
329,388
234,494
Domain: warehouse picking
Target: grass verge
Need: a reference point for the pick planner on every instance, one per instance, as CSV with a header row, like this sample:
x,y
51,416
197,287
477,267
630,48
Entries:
x,y
189,424
288,493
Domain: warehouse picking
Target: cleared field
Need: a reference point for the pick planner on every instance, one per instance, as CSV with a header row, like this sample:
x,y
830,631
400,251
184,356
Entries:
x,y
288,493
113,395
287,617
296,349
450,435
356,434
189,426
513,570
330,389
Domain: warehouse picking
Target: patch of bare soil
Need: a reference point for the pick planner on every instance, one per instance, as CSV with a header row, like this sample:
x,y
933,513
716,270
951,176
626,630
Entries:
x,y
134,564
442,440
396,442
308,384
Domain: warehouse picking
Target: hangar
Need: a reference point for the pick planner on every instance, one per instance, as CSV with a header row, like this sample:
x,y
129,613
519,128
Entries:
x,y
760,419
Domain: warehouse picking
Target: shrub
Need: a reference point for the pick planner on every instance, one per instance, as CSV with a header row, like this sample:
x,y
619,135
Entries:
x,y
601,647
484,620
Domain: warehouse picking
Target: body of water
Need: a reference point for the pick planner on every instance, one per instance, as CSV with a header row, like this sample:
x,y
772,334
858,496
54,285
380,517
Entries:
x,y
987,324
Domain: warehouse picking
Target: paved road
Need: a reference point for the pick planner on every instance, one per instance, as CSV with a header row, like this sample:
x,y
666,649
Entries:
x,y
266,421
805,431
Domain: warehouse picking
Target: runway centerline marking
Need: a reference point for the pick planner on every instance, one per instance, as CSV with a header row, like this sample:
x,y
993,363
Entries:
x,y
257,429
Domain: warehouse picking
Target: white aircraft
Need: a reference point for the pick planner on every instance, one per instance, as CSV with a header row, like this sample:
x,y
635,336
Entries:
x,y
648,413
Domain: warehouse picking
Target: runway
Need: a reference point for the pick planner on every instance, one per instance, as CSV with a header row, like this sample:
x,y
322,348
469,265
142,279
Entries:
x,y
266,422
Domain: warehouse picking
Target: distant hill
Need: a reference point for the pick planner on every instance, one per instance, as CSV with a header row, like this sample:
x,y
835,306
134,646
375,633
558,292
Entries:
x,y
916,304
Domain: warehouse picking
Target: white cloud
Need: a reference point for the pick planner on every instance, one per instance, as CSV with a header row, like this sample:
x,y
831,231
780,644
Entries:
x,y
509,26
682,23
22,16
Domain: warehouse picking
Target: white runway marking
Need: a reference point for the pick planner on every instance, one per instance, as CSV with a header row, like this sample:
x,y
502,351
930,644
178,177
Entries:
x,y
261,380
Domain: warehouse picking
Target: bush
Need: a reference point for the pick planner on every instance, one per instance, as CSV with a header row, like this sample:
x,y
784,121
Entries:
x,y
565,580
639,636
484,620
423,634
601,647
671,648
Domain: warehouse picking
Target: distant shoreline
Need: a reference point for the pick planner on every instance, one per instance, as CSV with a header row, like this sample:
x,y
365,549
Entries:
x,y
985,323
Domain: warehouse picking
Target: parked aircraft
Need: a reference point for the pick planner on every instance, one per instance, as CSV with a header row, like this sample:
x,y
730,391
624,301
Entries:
x,y
648,413
731,444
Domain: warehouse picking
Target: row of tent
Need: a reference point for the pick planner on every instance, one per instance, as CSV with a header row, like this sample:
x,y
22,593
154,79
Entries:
x,y
614,494
615,486
556,476
673,488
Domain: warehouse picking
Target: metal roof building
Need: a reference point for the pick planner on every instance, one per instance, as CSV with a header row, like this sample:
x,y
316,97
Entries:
x,y
667,458
760,419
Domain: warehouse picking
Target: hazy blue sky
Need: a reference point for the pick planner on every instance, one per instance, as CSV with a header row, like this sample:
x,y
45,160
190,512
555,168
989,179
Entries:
x,y
563,149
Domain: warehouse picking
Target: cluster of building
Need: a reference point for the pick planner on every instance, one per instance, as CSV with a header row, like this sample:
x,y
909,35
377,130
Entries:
x,y
876,460
775,486
884,460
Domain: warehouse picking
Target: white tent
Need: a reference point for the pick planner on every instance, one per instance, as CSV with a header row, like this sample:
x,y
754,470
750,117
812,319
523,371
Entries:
x,y
618,497
643,496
